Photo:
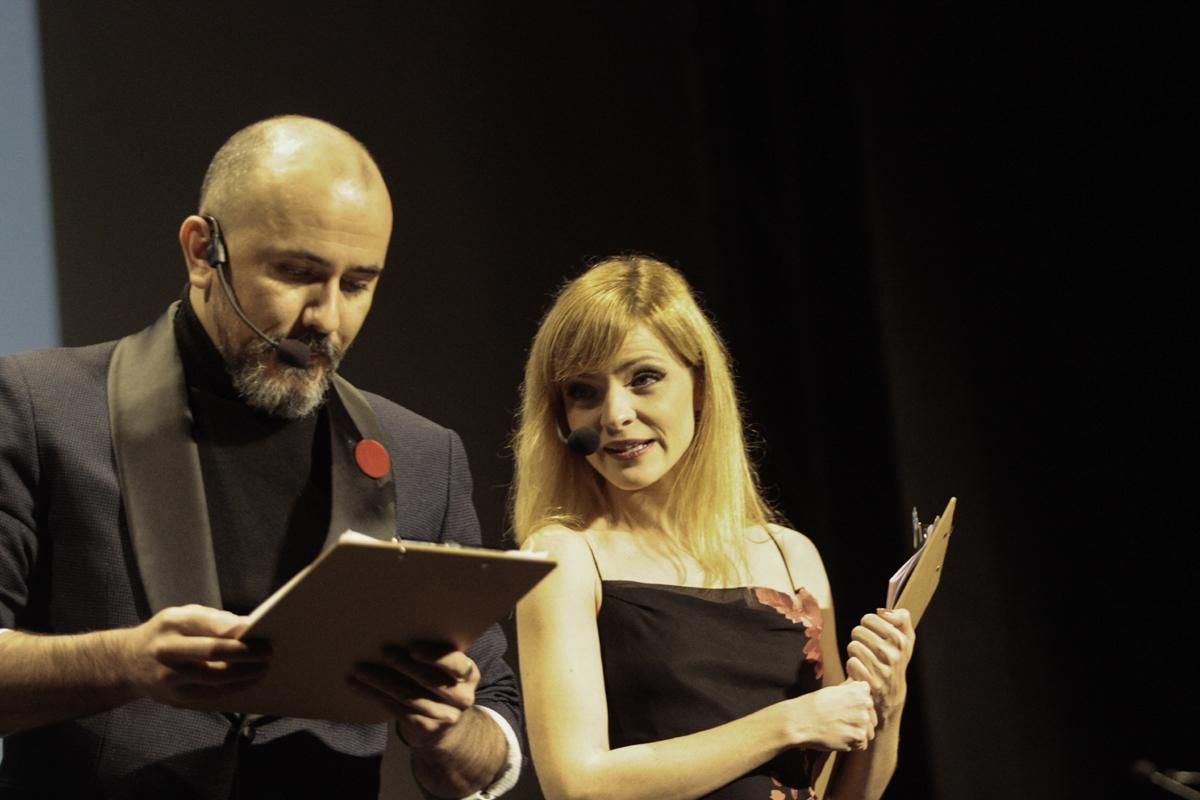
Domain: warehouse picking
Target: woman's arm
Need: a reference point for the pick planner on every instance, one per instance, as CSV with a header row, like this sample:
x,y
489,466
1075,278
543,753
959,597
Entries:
x,y
879,651
567,714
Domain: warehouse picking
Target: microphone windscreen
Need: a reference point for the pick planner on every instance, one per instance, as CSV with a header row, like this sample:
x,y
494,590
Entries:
x,y
584,441
294,352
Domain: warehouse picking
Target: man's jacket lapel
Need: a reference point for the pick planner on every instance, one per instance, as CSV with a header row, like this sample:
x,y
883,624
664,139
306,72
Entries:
x,y
360,503
158,466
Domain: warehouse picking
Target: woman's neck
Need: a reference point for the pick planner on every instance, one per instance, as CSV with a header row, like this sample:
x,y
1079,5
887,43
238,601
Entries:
x,y
640,511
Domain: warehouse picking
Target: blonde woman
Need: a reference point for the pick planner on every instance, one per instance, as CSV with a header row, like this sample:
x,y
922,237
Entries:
x,y
684,646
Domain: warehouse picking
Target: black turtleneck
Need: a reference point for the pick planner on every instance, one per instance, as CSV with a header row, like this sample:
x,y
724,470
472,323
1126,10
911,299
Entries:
x,y
266,479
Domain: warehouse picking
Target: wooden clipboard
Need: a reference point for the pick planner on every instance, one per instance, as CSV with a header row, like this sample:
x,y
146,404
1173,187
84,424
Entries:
x,y
918,590
361,595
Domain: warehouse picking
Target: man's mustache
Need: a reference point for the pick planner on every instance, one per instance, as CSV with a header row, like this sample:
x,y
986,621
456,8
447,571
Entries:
x,y
321,345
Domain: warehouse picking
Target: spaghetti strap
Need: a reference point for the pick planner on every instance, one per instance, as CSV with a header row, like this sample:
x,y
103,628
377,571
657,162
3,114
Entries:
x,y
588,540
782,555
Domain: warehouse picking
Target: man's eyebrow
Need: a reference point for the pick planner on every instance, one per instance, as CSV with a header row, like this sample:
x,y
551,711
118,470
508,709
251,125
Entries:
x,y
307,255
304,255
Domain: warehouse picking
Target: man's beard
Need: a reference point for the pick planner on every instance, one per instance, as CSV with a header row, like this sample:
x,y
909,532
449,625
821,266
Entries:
x,y
278,389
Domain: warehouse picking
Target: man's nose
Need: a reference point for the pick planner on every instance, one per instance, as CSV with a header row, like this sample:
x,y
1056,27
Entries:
x,y
323,313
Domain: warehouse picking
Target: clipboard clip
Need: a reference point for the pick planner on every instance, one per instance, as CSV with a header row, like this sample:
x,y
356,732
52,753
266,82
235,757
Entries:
x,y
921,533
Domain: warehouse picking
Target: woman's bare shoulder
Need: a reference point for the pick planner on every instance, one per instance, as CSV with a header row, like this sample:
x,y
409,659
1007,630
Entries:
x,y
794,543
574,582
559,542
804,563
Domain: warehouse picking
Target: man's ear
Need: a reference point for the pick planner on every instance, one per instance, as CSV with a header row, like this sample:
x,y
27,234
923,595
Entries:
x,y
194,239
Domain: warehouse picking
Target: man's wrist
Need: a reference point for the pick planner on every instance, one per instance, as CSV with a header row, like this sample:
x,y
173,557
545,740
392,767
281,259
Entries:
x,y
433,760
508,776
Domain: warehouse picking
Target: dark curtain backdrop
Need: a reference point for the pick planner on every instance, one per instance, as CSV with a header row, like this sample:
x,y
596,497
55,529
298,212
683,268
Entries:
x,y
907,221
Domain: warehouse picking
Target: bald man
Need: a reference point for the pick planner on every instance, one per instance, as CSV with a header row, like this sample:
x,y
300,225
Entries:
x,y
155,490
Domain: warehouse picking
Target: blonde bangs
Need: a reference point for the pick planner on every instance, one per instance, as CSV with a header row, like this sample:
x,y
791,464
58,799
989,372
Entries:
x,y
586,336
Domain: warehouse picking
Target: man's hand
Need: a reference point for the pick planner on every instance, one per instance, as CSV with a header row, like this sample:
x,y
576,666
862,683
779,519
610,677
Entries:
x,y
180,656
430,690
186,654
427,687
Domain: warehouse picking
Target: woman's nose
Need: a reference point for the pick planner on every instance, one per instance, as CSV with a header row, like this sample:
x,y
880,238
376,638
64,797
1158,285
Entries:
x,y
617,411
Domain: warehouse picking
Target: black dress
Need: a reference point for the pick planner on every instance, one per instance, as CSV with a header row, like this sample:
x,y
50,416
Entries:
x,y
678,660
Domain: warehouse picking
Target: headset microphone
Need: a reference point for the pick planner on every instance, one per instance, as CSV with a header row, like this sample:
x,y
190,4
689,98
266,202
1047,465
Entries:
x,y
292,352
582,441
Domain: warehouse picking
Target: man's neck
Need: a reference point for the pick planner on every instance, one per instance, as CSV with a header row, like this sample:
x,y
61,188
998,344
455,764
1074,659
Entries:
x,y
203,364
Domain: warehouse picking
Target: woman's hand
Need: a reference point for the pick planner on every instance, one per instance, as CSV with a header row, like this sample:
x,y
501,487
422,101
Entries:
x,y
880,649
838,717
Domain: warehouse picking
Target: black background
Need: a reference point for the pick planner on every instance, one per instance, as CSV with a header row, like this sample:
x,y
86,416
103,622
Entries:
x,y
937,237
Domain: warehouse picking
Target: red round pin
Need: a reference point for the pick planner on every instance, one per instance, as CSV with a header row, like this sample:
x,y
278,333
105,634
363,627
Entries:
x,y
372,458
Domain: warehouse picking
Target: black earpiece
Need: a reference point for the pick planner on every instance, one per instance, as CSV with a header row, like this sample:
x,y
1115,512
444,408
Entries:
x,y
215,249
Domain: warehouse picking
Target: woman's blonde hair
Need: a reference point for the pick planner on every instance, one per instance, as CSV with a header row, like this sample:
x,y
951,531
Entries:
x,y
715,495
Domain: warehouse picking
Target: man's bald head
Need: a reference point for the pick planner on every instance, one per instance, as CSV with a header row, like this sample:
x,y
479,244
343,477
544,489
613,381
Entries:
x,y
262,160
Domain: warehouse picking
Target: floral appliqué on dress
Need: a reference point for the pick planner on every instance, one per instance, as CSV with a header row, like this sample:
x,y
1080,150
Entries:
x,y
802,608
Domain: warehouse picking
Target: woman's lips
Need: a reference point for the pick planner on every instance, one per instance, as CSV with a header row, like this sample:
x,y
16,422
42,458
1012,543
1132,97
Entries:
x,y
628,449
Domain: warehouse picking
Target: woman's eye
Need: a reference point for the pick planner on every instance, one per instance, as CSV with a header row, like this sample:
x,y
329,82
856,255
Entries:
x,y
646,378
580,391
354,287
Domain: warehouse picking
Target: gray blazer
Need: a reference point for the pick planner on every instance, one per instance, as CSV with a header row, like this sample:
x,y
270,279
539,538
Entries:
x,y
103,523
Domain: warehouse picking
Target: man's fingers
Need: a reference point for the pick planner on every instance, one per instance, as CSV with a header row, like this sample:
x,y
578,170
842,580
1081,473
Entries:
x,y
467,672
403,698
453,663
200,674
178,649
194,620
405,686
434,666
392,682
402,660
